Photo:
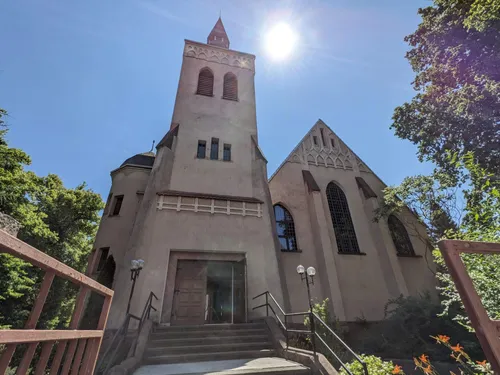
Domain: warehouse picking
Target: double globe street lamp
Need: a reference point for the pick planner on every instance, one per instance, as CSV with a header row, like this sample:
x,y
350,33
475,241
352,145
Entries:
x,y
136,266
308,276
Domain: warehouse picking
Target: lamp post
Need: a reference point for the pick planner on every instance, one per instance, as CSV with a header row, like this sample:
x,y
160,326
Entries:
x,y
136,266
308,276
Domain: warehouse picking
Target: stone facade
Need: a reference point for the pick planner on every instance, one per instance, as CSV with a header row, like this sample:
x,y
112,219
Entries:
x,y
357,284
9,224
205,198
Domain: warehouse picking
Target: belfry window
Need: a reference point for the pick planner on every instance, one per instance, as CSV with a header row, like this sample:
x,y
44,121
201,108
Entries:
x,y
285,228
205,82
341,219
400,237
230,89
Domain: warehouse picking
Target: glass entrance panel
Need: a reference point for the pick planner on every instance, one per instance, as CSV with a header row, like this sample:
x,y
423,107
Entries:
x,y
225,300
239,292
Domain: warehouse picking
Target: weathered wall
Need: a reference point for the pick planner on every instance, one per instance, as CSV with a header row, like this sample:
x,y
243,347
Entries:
x,y
114,231
9,224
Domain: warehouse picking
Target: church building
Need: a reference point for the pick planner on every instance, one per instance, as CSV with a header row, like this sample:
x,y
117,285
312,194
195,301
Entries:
x,y
214,231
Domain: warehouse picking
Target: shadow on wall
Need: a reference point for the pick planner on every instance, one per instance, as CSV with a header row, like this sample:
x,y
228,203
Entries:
x,y
94,306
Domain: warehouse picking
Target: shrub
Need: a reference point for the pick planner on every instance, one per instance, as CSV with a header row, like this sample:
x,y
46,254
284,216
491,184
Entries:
x,y
376,366
409,322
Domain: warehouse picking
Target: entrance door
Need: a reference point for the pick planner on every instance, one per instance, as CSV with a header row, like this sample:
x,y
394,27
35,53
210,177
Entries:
x,y
189,294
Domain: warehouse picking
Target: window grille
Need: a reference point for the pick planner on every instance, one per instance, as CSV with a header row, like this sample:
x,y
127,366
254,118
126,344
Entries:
x,y
341,219
285,228
400,237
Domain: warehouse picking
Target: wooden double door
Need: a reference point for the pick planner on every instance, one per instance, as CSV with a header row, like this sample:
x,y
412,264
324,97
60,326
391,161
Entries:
x,y
209,292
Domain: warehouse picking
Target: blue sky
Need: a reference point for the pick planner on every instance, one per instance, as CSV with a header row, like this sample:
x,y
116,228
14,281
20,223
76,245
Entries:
x,y
88,83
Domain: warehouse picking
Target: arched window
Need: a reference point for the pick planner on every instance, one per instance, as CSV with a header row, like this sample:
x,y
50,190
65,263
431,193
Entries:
x,y
341,218
230,90
205,82
285,228
400,236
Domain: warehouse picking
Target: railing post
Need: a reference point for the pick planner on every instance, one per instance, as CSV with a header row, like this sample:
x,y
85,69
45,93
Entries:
x,y
313,331
267,305
365,368
286,332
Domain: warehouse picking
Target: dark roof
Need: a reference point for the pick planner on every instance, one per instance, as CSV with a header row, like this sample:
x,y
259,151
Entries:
x,y
144,160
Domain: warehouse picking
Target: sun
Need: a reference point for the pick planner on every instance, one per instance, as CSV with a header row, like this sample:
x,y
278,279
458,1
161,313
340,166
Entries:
x,y
280,41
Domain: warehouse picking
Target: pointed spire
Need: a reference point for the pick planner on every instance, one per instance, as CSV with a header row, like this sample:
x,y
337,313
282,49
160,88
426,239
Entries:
x,y
218,36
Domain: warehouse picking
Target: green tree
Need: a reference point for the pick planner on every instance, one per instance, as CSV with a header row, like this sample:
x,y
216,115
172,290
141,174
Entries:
x,y
454,53
470,203
60,221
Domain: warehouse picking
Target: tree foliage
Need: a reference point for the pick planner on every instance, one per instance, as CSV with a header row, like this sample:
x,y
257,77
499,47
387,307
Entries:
x,y
462,205
57,220
454,53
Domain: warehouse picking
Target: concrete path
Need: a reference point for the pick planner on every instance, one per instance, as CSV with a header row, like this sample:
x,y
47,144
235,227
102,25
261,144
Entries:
x,y
231,367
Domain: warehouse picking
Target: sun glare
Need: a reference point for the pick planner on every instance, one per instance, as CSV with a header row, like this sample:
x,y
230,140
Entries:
x,y
280,41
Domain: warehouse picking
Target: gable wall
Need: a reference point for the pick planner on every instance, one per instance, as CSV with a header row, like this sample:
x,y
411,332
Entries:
x,y
358,286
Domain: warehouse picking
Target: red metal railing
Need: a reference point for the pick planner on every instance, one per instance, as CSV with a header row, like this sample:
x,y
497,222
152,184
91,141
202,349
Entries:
x,y
76,350
487,330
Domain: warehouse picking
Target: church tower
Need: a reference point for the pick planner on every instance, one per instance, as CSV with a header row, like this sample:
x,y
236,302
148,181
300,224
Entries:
x,y
203,223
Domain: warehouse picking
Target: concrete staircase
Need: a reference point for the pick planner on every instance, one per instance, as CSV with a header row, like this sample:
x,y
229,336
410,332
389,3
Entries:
x,y
208,343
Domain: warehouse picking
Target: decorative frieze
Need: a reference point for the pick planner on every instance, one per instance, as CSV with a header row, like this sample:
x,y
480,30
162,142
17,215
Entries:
x,y
219,55
209,205
338,156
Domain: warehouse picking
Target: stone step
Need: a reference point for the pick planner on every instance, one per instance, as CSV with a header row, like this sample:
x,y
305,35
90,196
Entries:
x,y
212,327
200,357
203,348
267,371
265,365
213,340
201,334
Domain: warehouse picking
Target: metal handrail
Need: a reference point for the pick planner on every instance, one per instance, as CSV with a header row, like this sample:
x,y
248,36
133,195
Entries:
x,y
313,333
365,368
121,334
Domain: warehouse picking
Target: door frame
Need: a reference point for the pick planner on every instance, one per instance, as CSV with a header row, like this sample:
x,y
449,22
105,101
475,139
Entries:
x,y
175,256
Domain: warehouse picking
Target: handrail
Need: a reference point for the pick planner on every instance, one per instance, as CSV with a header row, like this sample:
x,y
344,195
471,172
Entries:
x,y
312,332
107,360
75,349
365,368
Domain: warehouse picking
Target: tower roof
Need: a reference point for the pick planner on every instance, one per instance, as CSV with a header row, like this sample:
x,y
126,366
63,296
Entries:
x,y
218,36
146,159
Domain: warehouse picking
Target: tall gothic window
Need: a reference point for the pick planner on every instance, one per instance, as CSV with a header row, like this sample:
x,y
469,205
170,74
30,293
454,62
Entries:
x,y
285,228
205,82
341,218
230,90
400,236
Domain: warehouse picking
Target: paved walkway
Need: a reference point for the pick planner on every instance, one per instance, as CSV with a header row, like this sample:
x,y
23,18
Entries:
x,y
235,366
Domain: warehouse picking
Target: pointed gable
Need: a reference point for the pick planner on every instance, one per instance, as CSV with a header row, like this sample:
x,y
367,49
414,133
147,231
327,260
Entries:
x,y
322,147
218,36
